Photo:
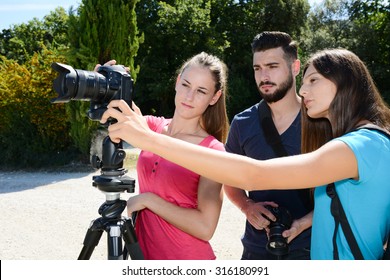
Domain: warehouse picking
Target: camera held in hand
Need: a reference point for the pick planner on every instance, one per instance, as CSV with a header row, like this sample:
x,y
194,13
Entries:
x,y
108,83
277,244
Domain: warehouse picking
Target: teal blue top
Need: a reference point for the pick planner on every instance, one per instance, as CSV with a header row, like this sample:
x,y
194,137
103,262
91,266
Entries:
x,y
366,201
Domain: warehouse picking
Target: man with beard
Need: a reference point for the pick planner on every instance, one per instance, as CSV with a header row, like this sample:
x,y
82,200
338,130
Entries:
x,y
276,65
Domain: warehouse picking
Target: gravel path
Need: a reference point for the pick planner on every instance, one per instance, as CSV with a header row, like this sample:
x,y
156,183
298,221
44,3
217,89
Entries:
x,y
45,215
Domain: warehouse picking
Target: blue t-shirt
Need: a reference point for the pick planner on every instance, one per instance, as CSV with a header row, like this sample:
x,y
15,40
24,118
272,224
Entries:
x,y
246,137
366,201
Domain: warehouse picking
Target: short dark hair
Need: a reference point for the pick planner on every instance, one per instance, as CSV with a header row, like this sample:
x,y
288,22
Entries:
x,y
275,39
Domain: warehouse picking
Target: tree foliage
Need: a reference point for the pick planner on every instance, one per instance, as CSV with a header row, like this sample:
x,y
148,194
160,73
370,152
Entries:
x,y
241,21
104,30
21,41
361,26
371,25
32,129
174,31
178,29
98,32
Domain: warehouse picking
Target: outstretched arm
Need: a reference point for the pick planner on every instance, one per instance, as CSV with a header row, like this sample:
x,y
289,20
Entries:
x,y
332,162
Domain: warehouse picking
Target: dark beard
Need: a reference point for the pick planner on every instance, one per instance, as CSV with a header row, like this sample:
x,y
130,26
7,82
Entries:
x,y
279,92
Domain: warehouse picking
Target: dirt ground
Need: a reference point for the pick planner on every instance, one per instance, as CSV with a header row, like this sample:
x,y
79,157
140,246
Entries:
x,y
45,216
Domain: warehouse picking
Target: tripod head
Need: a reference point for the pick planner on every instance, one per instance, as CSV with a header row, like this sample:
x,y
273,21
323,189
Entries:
x,y
112,179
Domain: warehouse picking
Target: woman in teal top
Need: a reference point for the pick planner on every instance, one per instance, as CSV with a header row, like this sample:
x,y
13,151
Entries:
x,y
367,200
338,96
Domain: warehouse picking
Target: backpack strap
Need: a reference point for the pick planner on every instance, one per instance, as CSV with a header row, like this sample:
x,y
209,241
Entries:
x,y
337,211
273,139
374,127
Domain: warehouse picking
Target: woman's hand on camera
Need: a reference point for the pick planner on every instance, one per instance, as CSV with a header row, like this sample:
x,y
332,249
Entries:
x,y
108,63
131,126
111,62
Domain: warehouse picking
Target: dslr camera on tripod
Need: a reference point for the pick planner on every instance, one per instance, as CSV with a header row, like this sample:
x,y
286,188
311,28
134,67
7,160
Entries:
x,y
106,84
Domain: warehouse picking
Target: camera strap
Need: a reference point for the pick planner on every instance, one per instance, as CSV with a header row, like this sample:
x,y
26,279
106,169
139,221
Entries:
x,y
338,213
273,139
271,134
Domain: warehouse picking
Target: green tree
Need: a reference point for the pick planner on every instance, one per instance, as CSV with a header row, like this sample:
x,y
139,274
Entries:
x,y
240,21
104,30
177,29
328,27
99,31
371,28
21,41
174,31
360,26
33,131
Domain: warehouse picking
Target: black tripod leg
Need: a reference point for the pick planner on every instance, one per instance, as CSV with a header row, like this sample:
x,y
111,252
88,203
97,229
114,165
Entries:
x,y
91,239
131,241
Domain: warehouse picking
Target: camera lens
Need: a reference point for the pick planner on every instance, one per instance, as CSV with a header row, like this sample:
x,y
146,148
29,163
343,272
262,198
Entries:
x,y
74,84
277,244
108,83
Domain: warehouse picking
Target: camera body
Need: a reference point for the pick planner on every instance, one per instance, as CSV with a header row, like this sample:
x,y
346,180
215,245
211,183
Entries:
x,y
277,244
100,87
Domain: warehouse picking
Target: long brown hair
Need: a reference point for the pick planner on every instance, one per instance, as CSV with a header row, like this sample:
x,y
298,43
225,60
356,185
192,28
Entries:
x,y
214,120
357,98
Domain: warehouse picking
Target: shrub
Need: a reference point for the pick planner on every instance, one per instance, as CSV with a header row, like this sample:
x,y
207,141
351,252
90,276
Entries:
x,y
33,131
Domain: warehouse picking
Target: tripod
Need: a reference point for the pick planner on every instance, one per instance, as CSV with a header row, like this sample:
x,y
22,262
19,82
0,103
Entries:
x,y
112,182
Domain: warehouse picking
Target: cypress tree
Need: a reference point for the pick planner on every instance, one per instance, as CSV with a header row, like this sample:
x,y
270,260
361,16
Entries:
x,y
99,31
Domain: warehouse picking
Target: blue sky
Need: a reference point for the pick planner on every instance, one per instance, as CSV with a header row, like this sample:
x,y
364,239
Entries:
x,y
22,11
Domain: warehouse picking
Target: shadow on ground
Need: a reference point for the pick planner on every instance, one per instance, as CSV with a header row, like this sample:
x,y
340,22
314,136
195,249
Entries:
x,y
17,181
